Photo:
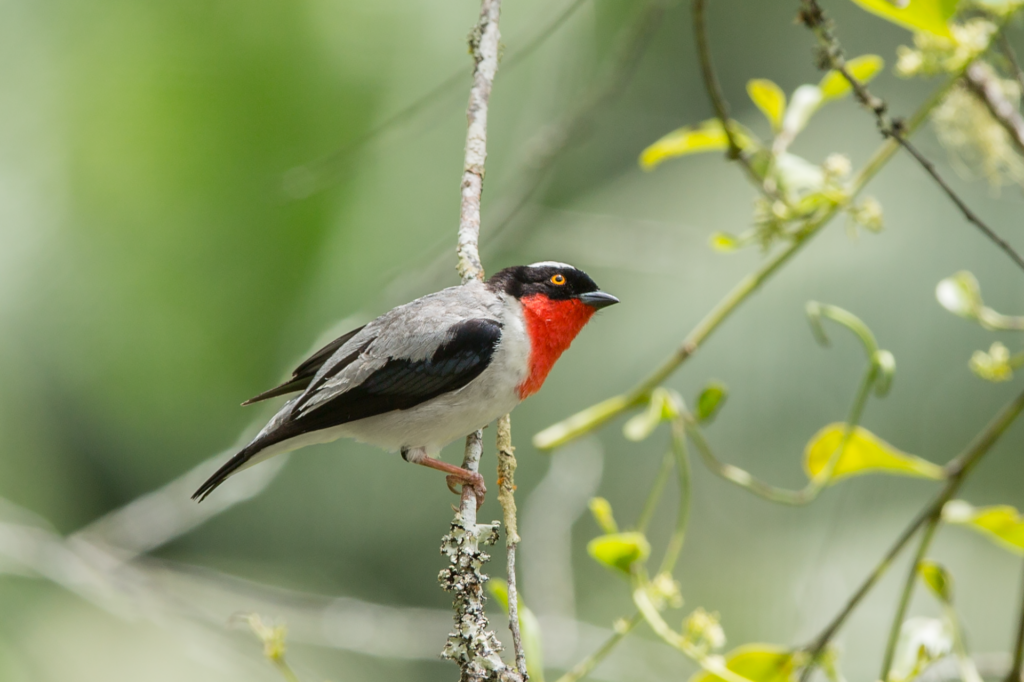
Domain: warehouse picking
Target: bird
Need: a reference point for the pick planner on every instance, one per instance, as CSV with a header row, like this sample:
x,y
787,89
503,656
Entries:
x,y
431,371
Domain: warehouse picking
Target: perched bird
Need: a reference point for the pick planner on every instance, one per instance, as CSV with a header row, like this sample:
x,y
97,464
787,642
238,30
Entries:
x,y
431,371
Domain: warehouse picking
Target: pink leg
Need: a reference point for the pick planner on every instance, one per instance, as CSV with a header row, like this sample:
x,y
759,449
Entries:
x,y
457,476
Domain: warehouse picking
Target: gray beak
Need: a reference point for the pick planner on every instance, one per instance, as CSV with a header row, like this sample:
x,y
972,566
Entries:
x,y
598,299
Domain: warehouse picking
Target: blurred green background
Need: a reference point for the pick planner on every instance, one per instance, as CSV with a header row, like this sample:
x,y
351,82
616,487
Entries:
x,y
161,260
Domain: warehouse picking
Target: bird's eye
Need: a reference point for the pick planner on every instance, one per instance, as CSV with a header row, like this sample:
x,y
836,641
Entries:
x,y
558,279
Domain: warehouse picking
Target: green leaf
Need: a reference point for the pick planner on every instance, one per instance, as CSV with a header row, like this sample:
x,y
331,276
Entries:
x,y
1001,523
529,629
769,98
755,662
865,453
834,85
711,400
659,408
602,511
931,16
619,550
708,136
938,580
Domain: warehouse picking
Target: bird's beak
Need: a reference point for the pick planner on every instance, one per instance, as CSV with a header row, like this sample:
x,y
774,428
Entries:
x,y
598,299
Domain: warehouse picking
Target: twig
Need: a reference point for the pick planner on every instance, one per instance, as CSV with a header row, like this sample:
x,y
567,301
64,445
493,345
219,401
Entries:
x,y
718,101
584,667
981,81
956,472
1018,648
908,590
832,56
506,496
682,461
970,215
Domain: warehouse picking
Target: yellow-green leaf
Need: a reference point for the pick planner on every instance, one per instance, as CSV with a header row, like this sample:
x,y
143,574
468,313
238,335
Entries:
x,y
711,399
834,85
724,242
755,662
931,16
938,580
708,136
602,511
619,550
769,98
1001,523
865,453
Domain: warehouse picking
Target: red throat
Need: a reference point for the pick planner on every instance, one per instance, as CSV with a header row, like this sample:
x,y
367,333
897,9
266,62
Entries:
x,y
552,325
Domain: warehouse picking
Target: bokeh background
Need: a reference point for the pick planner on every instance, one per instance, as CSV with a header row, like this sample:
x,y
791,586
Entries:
x,y
192,194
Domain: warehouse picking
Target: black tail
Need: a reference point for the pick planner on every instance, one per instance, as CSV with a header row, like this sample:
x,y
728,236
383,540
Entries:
x,y
229,468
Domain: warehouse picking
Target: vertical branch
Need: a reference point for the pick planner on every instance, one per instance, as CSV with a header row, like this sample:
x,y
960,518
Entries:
x,y
506,496
472,645
483,44
1018,648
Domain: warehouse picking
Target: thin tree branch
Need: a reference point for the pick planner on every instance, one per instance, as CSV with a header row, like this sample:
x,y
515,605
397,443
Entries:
x,y
981,82
931,525
506,496
956,472
832,56
718,102
1018,648
472,645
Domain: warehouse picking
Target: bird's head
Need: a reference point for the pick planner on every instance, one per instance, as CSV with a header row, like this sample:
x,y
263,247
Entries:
x,y
554,282
557,301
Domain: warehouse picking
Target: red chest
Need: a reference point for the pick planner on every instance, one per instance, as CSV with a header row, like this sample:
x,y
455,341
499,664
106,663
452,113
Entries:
x,y
552,325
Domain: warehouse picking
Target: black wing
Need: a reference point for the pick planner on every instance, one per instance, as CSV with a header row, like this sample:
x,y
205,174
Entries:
x,y
399,385
304,373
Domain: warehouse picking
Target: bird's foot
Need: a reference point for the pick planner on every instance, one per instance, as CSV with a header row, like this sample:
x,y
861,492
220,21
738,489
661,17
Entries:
x,y
473,480
457,479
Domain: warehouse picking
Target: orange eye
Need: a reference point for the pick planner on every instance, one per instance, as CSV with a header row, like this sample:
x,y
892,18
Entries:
x,y
558,279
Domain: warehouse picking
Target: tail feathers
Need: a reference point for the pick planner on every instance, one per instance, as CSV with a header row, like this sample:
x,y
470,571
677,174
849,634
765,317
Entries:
x,y
230,467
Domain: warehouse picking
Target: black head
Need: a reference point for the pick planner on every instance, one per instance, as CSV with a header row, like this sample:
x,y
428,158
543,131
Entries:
x,y
557,281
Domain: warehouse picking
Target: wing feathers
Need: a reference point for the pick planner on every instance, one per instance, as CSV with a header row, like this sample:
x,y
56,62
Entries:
x,y
306,372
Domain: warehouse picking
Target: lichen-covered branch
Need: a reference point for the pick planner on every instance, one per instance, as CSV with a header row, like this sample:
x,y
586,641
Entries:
x,y
472,645
506,496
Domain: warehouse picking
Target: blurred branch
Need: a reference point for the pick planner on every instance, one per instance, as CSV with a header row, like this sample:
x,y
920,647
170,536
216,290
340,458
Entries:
x,y
158,517
1018,646
832,56
956,472
718,102
931,525
1011,56
180,597
305,180
981,82
472,645
587,665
